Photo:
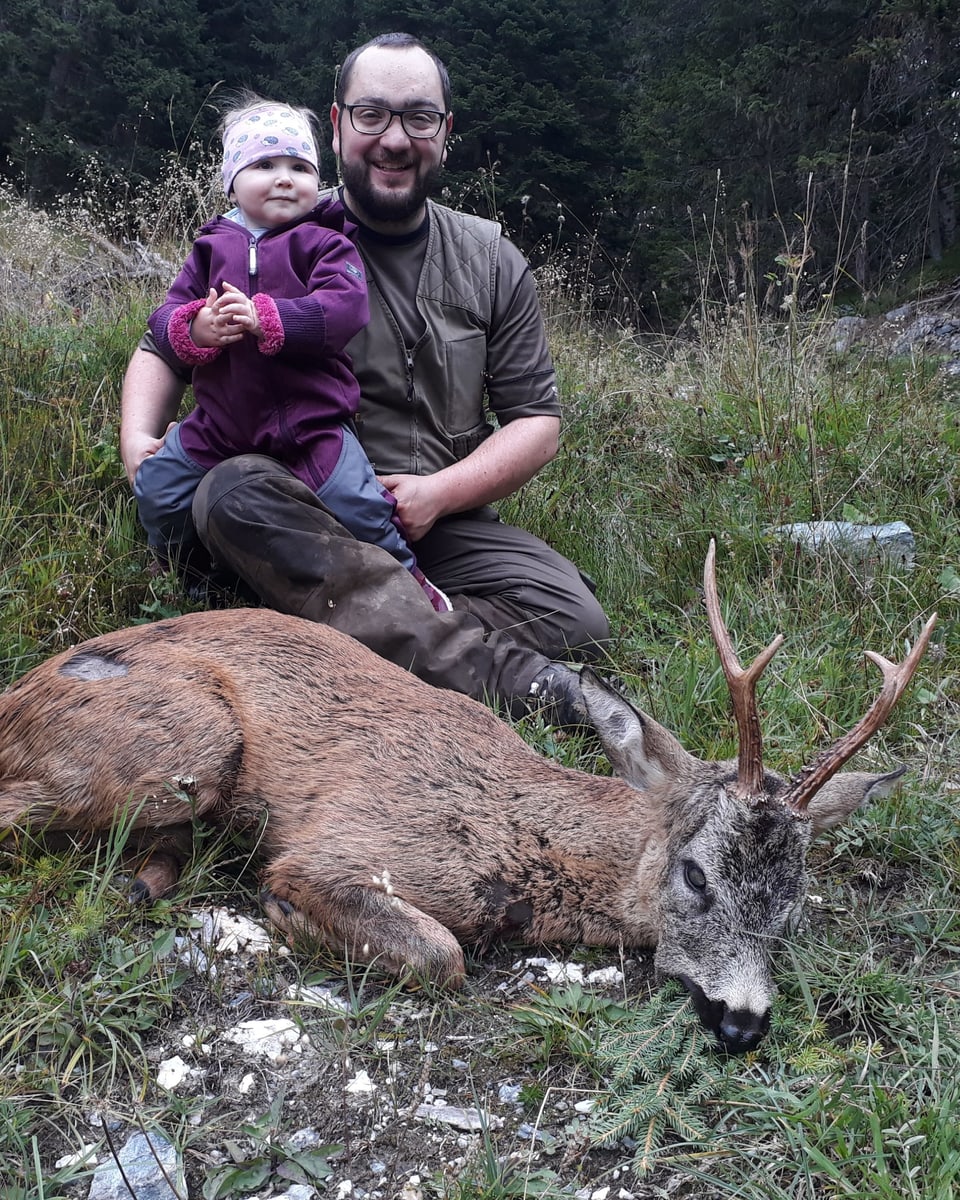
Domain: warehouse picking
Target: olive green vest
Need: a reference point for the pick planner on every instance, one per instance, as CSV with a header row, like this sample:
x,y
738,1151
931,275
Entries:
x,y
423,410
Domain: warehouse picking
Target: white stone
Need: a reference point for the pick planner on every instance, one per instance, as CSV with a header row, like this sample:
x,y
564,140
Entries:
x,y
85,1156
471,1120
319,997
231,933
189,1042
172,1072
604,976
857,543
361,1084
273,1039
564,972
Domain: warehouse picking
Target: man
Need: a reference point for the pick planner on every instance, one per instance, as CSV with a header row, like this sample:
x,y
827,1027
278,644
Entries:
x,y
455,321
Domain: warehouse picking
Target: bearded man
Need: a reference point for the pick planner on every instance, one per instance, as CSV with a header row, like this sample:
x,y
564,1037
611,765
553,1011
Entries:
x,y
458,409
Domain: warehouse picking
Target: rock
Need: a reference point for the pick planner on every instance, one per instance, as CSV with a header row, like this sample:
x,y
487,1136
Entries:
x,y
361,1085
272,1039
172,1072
471,1120
605,976
556,972
86,1156
230,933
152,1170
857,543
847,331
317,996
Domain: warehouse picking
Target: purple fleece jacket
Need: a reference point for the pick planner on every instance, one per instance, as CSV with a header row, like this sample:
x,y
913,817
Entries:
x,y
288,395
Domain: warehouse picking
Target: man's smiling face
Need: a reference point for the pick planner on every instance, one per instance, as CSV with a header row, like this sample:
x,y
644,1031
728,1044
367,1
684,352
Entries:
x,y
388,176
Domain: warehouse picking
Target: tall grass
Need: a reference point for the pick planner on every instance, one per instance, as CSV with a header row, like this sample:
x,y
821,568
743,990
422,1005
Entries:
x,y
730,430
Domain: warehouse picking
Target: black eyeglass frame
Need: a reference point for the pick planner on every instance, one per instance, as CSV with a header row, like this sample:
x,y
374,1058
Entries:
x,y
402,113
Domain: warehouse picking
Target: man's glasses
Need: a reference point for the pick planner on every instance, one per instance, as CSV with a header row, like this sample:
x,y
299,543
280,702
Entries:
x,y
417,122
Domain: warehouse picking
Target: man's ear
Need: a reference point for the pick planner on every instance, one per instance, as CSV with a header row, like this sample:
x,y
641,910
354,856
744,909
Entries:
x,y
446,137
335,122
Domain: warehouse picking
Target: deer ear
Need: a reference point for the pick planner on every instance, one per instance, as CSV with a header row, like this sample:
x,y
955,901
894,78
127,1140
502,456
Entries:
x,y
641,752
845,793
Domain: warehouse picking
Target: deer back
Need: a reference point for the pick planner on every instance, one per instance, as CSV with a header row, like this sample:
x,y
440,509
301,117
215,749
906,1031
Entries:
x,y
253,717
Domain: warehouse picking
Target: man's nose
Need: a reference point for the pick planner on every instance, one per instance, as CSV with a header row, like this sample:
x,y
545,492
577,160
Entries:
x,y
395,134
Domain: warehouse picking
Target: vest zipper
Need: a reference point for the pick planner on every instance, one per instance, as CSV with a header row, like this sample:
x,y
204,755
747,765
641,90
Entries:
x,y
252,262
409,376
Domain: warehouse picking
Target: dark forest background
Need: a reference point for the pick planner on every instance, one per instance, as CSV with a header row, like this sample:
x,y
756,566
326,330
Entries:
x,y
749,138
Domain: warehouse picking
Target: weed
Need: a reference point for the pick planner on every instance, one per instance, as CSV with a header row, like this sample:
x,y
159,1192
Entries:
x,y
260,1158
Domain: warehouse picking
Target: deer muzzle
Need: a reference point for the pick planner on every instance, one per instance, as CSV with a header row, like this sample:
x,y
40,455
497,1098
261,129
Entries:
x,y
736,1029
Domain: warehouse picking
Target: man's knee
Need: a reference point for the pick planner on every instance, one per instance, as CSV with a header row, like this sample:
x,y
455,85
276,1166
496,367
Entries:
x,y
585,626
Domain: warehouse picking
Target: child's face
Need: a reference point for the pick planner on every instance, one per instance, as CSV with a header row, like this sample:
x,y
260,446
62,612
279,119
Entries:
x,y
273,191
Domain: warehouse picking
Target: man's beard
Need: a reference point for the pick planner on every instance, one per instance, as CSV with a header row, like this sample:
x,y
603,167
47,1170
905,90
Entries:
x,y
386,205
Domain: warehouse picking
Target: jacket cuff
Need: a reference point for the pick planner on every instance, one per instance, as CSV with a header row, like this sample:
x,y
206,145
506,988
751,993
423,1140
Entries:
x,y
269,317
178,331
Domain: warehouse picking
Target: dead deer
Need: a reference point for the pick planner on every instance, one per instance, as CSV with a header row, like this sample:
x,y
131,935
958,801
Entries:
x,y
399,821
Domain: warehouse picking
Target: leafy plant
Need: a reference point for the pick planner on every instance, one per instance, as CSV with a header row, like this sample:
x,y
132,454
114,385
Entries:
x,y
569,1021
267,1159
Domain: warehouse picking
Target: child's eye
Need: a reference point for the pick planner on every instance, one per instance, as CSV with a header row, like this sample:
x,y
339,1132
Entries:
x,y
265,164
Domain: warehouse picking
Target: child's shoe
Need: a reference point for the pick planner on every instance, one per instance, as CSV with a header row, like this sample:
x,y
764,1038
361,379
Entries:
x,y
439,600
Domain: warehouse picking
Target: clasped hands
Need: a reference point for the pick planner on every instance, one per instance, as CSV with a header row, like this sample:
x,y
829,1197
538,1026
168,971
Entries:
x,y
224,319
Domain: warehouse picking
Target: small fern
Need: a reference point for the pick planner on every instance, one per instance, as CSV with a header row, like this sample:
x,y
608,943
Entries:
x,y
662,1070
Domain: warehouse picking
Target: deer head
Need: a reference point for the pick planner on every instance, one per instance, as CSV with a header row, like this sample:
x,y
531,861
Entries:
x,y
737,835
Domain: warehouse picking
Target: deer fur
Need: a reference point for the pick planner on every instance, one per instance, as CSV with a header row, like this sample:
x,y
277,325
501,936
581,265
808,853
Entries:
x,y
397,821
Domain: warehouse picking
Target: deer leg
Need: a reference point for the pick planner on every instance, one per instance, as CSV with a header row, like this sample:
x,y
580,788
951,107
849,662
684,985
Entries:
x,y
155,859
364,922
154,856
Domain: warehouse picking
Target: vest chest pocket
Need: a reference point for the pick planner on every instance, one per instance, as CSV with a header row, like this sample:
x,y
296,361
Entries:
x,y
465,371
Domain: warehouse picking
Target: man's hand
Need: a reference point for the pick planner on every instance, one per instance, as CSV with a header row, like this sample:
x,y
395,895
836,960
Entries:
x,y
510,457
138,446
418,502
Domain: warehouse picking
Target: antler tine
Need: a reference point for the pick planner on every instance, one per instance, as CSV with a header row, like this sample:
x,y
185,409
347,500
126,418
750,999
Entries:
x,y
811,778
742,685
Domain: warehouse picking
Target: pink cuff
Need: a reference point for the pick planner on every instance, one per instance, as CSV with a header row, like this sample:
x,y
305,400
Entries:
x,y
178,331
269,317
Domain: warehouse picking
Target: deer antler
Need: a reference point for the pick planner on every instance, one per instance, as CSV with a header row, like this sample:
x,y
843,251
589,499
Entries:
x,y
742,685
811,778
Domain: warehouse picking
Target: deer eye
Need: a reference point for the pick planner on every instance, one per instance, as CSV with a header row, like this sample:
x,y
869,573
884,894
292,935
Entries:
x,y
694,877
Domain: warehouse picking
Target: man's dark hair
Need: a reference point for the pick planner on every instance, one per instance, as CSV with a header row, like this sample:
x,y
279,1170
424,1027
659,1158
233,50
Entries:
x,y
391,41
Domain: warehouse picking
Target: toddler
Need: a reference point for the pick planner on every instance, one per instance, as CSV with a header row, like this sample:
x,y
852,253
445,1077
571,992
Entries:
x,y
262,310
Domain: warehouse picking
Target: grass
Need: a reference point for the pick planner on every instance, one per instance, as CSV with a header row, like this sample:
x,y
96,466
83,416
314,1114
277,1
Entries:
x,y
746,426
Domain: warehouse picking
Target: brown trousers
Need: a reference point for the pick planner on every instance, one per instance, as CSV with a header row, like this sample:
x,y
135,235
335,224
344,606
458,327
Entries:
x,y
517,603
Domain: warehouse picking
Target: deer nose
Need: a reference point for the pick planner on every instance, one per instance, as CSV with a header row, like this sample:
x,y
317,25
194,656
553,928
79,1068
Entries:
x,y
736,1029
740,1030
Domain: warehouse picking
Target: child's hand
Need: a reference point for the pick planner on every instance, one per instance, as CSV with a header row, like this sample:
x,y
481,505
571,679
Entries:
x,y
237,309
210,328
